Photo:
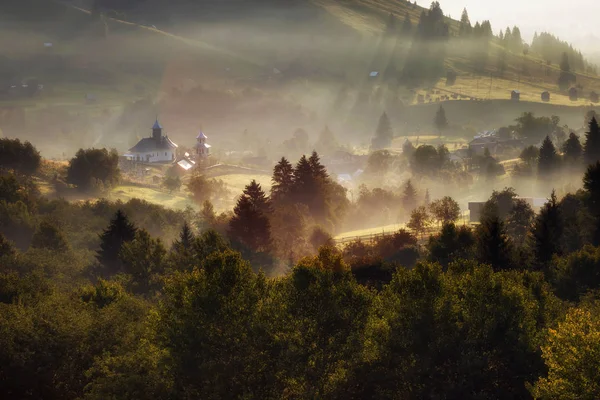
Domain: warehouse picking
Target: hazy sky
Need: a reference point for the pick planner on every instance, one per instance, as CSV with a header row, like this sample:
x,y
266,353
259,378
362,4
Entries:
x,y
572,20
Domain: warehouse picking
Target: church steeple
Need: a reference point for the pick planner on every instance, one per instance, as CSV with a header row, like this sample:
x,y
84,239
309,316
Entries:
x,y
156,130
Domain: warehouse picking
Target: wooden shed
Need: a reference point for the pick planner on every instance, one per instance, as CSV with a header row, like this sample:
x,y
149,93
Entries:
x,y
515,95
573,95
546,96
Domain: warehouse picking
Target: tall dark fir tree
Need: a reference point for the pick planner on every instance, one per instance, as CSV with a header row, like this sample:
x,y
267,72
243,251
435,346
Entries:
x,y
572,151
591,184
119,231
591,148
548,159
383,133
547,234
492,244
282,181
250,226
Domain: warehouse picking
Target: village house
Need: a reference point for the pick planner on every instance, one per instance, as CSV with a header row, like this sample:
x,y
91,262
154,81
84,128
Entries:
x,y
157,148
515,95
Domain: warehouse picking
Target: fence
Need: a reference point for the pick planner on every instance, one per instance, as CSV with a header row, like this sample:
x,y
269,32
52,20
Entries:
x,y
372,237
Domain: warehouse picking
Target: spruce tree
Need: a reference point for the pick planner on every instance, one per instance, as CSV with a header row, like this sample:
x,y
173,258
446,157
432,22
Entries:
x,y
440,121
548,160
257,196
250,225
591,184
119,231
572,150
547,234
492,244
465,24
327,142
319,171
186,238
409,198
407,26
591,149
282,180
383,134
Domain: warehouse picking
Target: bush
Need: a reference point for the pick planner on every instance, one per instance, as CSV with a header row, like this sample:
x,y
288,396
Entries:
x,y
93,168
21,157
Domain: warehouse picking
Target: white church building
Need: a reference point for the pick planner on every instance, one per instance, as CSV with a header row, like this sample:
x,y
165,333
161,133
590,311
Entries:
x,y
157,148
202,148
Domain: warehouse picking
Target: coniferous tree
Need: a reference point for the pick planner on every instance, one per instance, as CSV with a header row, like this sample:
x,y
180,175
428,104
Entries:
x,y
465,24
249,226
282,180
547,234
186,238
572,150
440,121
318,170
407,26
591,148
119,231
383,134
327,142
548,159
591,184
409,197
257,196
492,244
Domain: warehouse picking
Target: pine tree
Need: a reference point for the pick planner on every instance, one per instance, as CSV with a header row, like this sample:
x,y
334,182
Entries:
x,y
409,198
318,170
591,149
257,197
547,161
186,238
564,63
440,120
591,184
492,244
327,142
119,231
383,134
407,26
427,200
465,24
282,180
547,234
249,225
572,150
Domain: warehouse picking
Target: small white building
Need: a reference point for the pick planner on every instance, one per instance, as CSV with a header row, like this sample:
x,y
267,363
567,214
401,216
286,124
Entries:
x,y
154,149
202,148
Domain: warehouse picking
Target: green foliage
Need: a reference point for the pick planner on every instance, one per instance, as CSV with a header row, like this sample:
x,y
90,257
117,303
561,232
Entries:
x,y
282,181
533,128
548,159
576,274
572,354
203,189
419,220
591,148
20,157
440,121
119,232
93,165
572,151
547,234
144,258
250,225
383,134
451,244
409,196
172,183
49,236
446,210
492,245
